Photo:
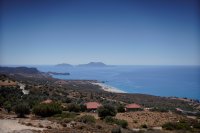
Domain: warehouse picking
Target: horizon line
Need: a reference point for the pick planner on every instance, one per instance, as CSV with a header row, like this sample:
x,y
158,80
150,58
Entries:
x,y
101,66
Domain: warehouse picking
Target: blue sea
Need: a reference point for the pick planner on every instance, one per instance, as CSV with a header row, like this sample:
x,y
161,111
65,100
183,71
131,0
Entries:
x,y
179,81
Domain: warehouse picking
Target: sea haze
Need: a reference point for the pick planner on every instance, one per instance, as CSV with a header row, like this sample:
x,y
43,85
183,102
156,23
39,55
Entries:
x,y
180,81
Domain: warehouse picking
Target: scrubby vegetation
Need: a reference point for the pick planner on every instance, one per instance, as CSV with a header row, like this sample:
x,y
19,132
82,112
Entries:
x,y
22,109
120,109
11,95
87,119
66,115
46,110
144,126
116,130
160,109
106,110
182,125
122,123
7,106
73,95
73,107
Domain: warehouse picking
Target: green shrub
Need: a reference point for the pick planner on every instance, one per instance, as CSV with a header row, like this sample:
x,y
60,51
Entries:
x,y
122,123
169,126
67,120
67,100
46,110
87,119
7,106
106,110
196,125
156,109
109,119
177,126
116,130
73,108
144,126
66,115
120,109
22,109
83,108
183,125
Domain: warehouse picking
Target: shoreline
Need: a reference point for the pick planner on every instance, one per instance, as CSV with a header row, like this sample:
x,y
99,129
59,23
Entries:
x,y
109,88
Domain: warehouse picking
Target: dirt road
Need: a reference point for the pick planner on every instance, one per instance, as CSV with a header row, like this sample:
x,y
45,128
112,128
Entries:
x,y
12,126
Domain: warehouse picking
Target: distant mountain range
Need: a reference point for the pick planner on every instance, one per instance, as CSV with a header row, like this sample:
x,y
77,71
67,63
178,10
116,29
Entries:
x,y
90,64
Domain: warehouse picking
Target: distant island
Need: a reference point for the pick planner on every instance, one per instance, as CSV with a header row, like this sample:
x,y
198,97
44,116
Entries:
x,y
93,64
90,64
64,65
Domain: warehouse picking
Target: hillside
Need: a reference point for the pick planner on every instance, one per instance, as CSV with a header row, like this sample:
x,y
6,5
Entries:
x,y
17,70
73,116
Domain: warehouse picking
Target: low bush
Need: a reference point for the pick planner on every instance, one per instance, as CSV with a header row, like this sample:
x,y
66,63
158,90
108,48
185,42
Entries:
x,y
46,110
196,125
22,109
87,119
106,110
83,108
135,121
109,119
116,130
7,106
66,115
177,126
169,126
67,120
144,126
183,125
120,109
73,108
122,123
159,109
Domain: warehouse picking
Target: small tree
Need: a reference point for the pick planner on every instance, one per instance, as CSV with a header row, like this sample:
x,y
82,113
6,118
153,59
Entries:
x,y
83,108
73,108
87,119
106,110
46,110
120,109
7,106
122,123
22,109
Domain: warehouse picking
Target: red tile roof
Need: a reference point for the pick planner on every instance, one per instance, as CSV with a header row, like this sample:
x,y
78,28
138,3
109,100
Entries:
x,y
92,105
132,106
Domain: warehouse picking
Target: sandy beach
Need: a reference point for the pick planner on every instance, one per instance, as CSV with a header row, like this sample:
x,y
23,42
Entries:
x,y
109,88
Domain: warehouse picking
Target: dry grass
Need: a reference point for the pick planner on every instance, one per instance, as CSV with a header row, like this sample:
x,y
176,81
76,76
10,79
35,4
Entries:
x,y
7,83
151,119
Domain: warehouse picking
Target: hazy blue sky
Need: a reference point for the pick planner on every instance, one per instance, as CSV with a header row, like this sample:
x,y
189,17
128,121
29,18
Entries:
x,y
134,32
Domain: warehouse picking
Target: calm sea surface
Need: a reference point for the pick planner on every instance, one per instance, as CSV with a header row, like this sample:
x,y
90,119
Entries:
x,y
180,81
